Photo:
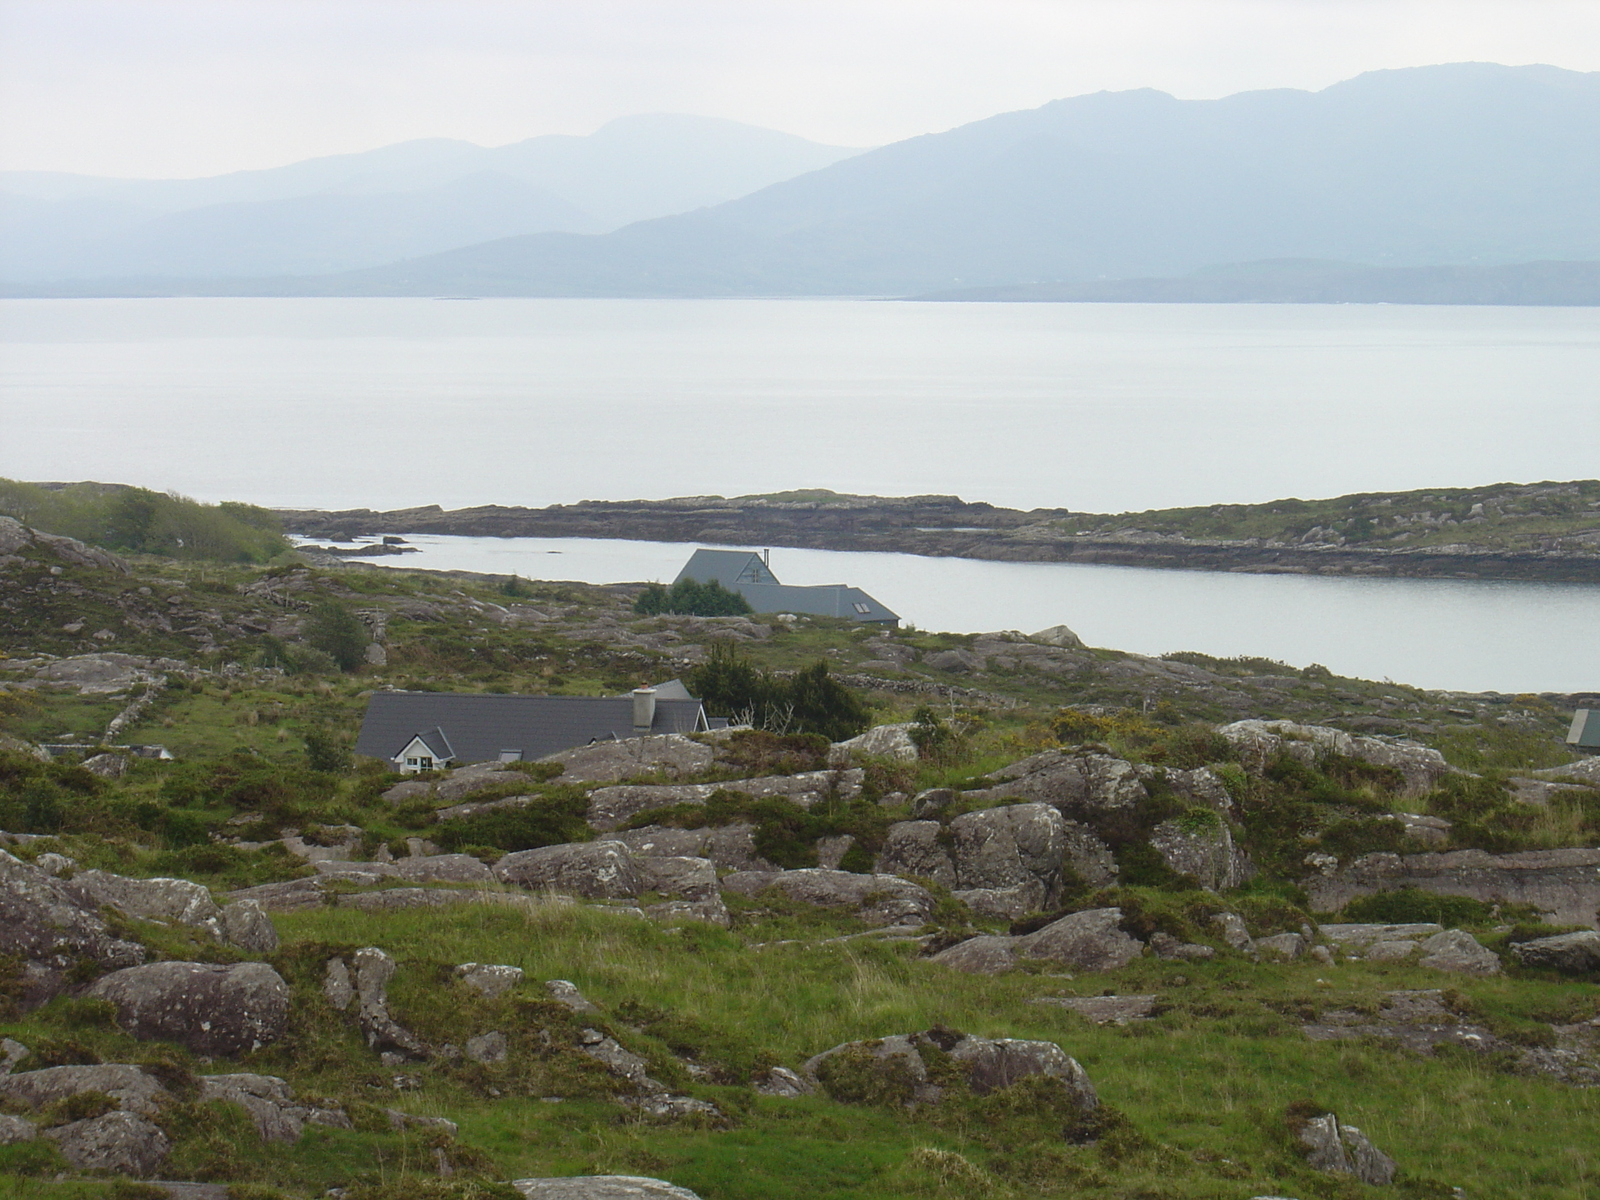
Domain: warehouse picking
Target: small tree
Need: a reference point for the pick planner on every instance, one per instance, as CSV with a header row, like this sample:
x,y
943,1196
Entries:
x,y
691,598
326,752
338,633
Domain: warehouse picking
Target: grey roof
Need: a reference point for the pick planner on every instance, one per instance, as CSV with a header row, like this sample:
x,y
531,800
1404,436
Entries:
x,y
730,568
480,727
436,740
1585,731
824,600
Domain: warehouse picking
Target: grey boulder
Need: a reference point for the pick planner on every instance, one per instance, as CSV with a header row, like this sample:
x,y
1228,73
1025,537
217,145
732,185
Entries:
x,y
1457,950
247,925
271,1105
989,954
875,899
443,868
1571,953
130,1087
1341,1149
119,1142
592,870
914,849
173,900
489,979
1002,847
51,925
16,1129
607,762
1090,940
210,1009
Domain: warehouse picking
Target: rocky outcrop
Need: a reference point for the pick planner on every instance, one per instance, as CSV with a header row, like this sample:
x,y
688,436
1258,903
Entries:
x,y
489,980
601,1187
1569,953
443,868
729,847
245,924
1075,784
1341,1149
210,1009
881,741
1205,851
118,1142
51,925
18,541
916,849
1563,884
688,888
271,1105
1256,742
1091,940
1020,844
565,993
898,1069
875,899
1458,951
669,754
592,870
132,1089
173,900
367,981
1104,1010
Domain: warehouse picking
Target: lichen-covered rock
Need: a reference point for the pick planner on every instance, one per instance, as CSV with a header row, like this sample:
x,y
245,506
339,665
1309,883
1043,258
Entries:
x,y
17,539
611,807
208,1008
129,1086
271,1105
489,979
1001,847
16,1129
488,1048
245,924
119,1142
680,878
913,849
1258,741
896,1070
592,870
881,741
290,895
781,1082
1284,945
875,899
1090,941
1571,953
1457,950
1205,851
607,762
988,954
1341,1149
371,971
566,993
50,925
1007,903
601,1187
1074,784
1231,928
443,868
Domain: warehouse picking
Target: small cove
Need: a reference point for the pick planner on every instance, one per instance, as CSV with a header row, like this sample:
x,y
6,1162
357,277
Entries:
x,y
1466,635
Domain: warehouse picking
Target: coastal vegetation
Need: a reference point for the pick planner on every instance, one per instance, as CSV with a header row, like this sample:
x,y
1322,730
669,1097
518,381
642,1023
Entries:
x,y
236,669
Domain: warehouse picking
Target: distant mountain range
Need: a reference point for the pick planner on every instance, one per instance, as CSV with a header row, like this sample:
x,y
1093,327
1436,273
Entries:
x,y
357,210
1116,195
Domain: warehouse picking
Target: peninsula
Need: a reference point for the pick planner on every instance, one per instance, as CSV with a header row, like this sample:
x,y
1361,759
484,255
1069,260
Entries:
x,y
1539,531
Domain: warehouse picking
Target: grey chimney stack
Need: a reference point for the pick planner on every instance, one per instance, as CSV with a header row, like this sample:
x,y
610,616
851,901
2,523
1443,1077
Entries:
x,y
644,710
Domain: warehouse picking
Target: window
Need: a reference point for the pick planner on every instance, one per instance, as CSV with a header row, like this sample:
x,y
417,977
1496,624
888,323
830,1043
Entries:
x,y
862,608
425,763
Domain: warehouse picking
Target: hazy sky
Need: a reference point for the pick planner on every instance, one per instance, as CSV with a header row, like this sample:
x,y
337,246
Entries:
x,y
196,87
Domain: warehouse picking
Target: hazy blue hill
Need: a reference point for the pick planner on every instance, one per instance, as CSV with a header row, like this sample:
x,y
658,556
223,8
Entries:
x,y
415,198
1464,163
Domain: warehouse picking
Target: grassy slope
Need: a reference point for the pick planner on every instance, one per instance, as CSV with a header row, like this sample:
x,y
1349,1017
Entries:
x,y
1205,1084
1513,517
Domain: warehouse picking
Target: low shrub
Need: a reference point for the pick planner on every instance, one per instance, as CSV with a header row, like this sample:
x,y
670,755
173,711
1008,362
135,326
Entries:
x,y
1406,906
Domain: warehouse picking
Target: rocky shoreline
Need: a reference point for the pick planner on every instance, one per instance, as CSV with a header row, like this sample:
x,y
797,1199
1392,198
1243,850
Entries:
x,y
944,527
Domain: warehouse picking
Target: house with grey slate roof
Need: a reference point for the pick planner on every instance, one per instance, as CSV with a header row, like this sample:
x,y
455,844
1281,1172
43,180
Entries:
x,y
424,731
1585,731
750,574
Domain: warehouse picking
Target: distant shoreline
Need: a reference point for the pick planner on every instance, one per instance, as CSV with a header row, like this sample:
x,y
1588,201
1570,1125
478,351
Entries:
x,y
945,526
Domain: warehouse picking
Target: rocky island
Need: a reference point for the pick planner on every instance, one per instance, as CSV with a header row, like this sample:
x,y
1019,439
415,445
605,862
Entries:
x,y
1543,531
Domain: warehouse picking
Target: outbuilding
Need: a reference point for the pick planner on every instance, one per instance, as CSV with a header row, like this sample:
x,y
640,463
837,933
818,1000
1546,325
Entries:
x,y
1585,731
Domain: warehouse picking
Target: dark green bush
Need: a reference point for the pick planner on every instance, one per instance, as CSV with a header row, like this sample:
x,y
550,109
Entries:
x,y
810,701
691,598
336,631
1406,906
1482,813
557,816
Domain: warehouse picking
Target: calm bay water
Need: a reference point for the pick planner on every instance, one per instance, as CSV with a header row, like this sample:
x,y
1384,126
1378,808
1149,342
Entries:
x,y
1459,635
397,402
